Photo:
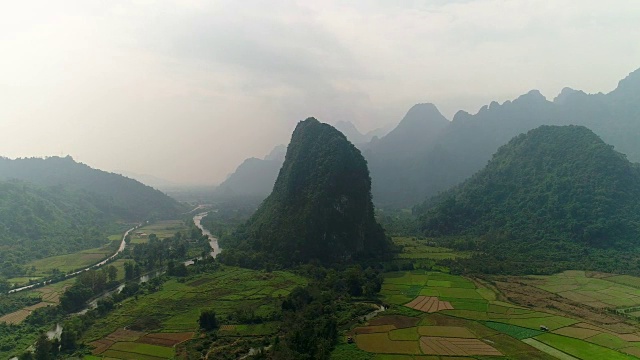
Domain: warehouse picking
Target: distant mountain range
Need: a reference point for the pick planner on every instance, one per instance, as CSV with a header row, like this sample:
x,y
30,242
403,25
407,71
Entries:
x,y
254,178
150,180
426,154
126,198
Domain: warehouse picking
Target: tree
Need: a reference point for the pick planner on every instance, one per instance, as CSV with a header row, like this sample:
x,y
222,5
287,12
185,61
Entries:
x,y
112,272
27,355
128,271
68,339
208,320
43,348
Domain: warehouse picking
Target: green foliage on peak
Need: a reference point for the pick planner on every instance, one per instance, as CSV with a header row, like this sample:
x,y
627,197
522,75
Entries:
x,y
554,184
320,207
37,222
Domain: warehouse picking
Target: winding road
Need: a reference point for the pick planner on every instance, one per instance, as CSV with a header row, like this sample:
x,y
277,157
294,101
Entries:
x,y
123,244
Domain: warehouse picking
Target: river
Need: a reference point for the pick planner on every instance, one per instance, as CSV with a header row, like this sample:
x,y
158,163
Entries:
x,y
57,330
213,241
215,250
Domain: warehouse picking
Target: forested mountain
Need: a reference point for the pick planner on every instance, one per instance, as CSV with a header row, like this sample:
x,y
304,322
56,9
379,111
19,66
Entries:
x,y
426,153
554,187
126,198
396,159
254,178
37,222
467,143
320,207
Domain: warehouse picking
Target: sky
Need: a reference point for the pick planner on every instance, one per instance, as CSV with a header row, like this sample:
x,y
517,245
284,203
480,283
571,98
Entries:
x,y
185,90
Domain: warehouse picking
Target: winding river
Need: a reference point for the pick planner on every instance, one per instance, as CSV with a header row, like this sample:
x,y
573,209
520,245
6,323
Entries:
x,y
213,241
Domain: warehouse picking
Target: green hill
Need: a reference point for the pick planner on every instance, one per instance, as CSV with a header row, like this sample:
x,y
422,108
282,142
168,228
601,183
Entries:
x,y
556,190
320,207
37,222
126,198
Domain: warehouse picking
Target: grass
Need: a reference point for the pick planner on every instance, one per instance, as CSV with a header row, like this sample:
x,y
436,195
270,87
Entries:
x,y
613,291
344,351
548,349
70,262
176,307
581,349
406,334
446,331
268,328
381,344
115,354
414,248
144,349
512,330
162,229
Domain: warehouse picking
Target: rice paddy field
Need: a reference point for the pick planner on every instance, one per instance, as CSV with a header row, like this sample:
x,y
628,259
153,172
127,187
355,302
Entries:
x,y
162,229
434,315
414,248
596,290
163,319
50,296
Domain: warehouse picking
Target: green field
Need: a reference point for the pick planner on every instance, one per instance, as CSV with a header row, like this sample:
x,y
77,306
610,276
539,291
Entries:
x,y
414,248
144,349
176,307
71,262
620,291
162,229
581,349
512,330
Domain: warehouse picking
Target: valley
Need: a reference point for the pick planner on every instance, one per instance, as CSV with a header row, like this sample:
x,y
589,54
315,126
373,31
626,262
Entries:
x,y
533,256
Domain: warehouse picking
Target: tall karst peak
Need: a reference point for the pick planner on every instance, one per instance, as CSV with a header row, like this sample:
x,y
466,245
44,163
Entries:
x,y
320,207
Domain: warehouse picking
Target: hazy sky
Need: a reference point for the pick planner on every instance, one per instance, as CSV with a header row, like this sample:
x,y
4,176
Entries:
x,y
185,90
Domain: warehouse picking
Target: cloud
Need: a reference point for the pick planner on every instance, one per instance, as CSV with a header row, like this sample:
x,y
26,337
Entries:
x,y
187,89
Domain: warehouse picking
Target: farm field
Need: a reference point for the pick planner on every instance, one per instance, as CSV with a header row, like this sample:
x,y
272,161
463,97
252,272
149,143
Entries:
x,y
162,229
128,344
473,322
420,249
162,317
50,295
592,289
69,262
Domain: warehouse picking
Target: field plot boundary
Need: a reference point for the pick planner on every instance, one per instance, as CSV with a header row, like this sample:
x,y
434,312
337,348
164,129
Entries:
x,y
429,304
432,345
548,349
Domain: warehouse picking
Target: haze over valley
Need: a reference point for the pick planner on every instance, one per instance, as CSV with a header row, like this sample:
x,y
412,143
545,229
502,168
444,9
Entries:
x,y
335,180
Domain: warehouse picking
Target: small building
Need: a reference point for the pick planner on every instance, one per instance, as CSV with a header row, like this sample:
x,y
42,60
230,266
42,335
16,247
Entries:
x,y
544,328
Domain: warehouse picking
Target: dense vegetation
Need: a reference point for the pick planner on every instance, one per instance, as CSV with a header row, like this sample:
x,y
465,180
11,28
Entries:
x,y
37,222
547,195
313,315
320,207
155,255
124,197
